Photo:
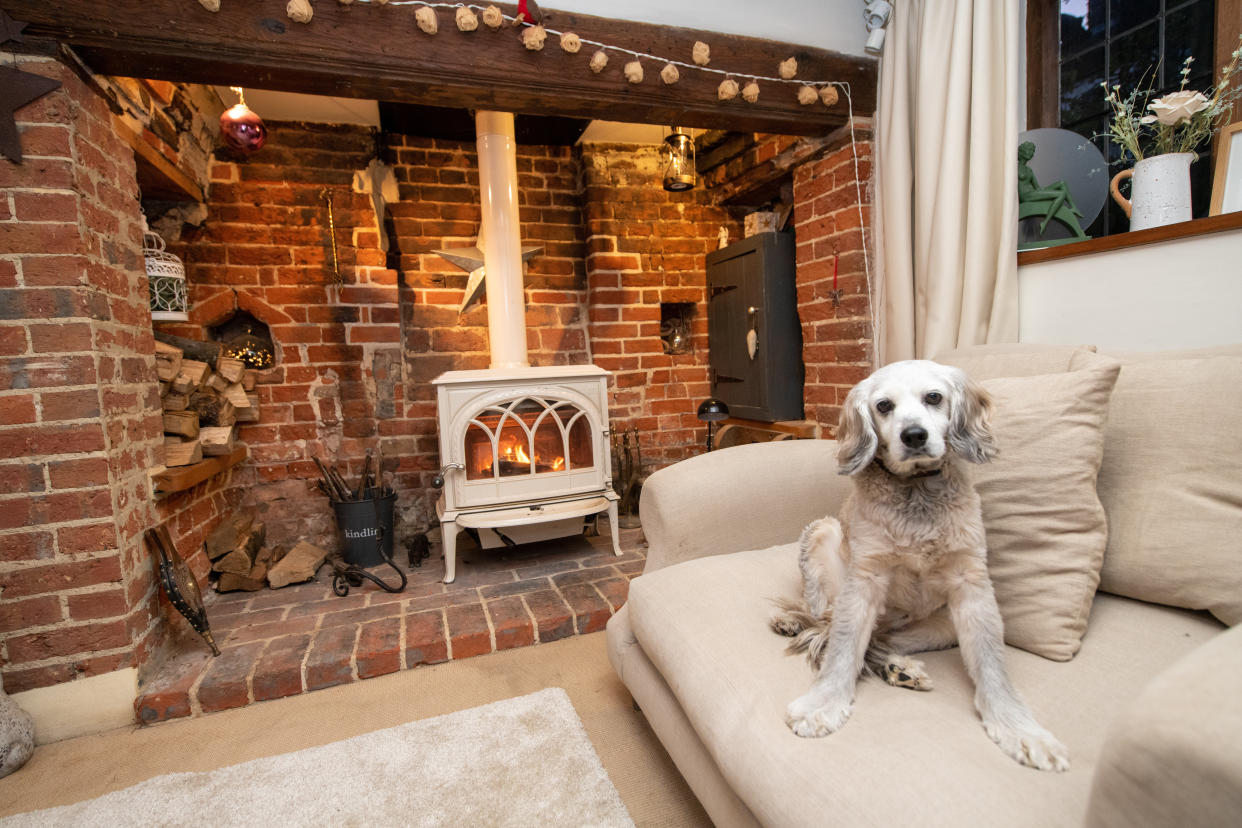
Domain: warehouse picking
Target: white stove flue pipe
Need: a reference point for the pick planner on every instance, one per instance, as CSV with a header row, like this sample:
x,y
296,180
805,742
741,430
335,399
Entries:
x,y
502,239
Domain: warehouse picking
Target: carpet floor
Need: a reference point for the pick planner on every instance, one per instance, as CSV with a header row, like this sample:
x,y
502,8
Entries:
x,y
650,787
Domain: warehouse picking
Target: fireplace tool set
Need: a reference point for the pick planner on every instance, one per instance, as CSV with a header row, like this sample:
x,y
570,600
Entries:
x,y
364,516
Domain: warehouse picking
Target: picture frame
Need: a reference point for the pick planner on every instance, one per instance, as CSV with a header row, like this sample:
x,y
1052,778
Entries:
x,y
1227,180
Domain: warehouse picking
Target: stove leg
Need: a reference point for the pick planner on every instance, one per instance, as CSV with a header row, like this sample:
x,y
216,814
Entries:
x,y
448,537
613,523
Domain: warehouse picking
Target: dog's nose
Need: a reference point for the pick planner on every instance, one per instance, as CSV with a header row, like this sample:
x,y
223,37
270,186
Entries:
x,y
914,436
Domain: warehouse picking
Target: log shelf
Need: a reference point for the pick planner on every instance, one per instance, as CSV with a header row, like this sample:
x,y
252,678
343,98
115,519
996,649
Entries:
x,y
180,478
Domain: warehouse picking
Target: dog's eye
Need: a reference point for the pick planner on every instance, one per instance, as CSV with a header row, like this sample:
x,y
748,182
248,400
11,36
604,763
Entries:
x,y
884,406
933,398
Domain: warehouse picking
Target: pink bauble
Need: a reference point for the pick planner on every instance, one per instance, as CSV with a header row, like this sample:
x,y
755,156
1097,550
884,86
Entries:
x,y
242,129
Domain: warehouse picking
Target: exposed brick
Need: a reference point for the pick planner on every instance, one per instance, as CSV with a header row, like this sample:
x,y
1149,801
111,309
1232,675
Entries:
x,y
67,641
468,630
511,622
553,617
226,683
279,671
331,655
379,648
91,605
424,638
32,612
40,580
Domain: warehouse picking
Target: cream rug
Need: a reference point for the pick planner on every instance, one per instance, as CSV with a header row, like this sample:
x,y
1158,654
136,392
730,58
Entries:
x,y
525,761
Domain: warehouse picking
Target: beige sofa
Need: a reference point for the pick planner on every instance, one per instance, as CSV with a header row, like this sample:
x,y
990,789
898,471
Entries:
x,y
1146,688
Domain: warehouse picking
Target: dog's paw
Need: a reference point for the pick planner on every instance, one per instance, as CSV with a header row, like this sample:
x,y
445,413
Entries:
x,y
785,623
1030,745
903,671
808,717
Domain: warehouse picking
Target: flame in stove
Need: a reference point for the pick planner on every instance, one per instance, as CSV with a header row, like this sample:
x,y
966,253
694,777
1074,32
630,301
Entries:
x,y
515,452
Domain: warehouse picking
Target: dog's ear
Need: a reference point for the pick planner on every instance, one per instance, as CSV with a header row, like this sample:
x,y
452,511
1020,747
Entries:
x,y
970,420
856,437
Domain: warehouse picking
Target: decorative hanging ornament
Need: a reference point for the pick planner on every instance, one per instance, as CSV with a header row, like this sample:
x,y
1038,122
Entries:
x,y
467,20
241,128
750,92
300,11
727,90
829,95
533,38
807,95
634,72
598,61
788,68
527,12
678,155
493,17
571,43
425,17
701,53
210,5
165,279
669,74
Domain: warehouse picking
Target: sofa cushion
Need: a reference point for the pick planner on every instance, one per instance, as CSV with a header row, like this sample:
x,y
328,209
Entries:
x,y
1169,482
982,362
1045,526
920,757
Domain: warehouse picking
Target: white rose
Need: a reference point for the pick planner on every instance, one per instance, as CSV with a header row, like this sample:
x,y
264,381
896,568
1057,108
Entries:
x,y
1176,107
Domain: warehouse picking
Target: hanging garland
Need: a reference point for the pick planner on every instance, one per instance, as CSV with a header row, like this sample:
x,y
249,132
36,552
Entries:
x,y
534,35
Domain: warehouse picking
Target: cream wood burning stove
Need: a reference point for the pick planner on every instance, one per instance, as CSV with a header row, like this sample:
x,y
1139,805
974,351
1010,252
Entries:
x,y
525,451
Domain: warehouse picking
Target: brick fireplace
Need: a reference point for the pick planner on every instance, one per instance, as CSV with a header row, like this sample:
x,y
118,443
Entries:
x,y
355,359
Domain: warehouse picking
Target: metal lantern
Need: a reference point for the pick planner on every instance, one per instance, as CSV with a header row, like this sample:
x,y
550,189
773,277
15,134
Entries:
x,y
678,152
166,275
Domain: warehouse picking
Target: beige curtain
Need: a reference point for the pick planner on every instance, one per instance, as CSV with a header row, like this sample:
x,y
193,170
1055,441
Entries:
x,y
946,160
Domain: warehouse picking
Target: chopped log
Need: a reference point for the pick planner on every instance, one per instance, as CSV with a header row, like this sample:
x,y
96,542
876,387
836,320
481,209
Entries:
x,y
212,410
237,395
226,535
175,402
191,376
216,440
240,559
167,361
253,581
181,423
216,383
206,352
249,414
230,368
299,565
178,452
250,378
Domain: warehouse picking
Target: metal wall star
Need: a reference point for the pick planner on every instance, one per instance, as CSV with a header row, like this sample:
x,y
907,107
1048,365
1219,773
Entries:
x,y
11,29
18,88
470,259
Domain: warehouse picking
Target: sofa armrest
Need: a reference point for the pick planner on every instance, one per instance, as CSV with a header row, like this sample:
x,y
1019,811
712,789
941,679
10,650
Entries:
x,y
745,497
1173,755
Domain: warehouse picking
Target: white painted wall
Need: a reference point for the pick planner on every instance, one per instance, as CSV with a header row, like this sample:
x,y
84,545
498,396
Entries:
x,y
836,25
1175,294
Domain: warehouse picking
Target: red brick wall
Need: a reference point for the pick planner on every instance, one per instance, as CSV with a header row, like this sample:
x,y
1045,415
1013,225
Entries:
x,y
837,338
648,246
79,420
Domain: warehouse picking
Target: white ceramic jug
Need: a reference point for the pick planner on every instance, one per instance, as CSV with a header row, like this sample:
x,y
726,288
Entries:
x,y
1159,191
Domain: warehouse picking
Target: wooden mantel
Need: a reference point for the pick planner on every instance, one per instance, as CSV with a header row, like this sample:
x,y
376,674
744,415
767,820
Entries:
x,y
372,50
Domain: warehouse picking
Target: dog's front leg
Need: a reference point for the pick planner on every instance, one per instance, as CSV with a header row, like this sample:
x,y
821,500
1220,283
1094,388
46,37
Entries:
x,y
826,706
1006,718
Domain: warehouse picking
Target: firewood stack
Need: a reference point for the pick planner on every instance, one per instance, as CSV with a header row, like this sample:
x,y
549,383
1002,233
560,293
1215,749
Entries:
x,y
241,560
203,402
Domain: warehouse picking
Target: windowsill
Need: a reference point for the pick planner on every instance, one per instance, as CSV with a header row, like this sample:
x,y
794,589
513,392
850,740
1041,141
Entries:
x,y
1121,241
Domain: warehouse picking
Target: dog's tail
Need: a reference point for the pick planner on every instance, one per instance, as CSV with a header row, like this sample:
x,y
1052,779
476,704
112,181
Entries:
x,y
809,631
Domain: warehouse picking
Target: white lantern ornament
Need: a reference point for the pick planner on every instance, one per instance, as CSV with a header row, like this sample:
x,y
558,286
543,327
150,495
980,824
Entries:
x,y
166,276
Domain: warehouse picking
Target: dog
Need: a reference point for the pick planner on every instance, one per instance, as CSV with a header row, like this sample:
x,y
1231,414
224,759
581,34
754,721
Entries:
x,y
904,568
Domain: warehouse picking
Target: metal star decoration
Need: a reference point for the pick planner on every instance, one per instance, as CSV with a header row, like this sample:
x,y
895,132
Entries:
x,y
470,259
18,88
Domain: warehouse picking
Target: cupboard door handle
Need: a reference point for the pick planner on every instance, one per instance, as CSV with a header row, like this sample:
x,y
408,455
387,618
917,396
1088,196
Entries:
x,y
752,335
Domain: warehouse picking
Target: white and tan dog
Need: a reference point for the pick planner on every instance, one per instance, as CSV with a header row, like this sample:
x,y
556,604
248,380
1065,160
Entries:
x,y
904,569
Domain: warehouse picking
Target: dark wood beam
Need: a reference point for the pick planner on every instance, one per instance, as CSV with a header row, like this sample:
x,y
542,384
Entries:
x,y
759,183
376,51
1043,53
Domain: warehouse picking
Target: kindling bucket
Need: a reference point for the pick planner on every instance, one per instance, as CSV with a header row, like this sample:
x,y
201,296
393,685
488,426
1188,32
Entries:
x,y
360,528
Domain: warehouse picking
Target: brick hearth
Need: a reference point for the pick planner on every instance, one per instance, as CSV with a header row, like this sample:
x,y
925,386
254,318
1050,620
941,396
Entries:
x,y
283,642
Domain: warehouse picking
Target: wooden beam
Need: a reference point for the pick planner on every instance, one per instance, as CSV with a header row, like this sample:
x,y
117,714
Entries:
x,y
760,181
1043,59
157,176
184,477
375,51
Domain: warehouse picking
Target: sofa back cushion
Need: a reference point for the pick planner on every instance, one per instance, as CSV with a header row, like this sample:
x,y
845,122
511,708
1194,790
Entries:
x,y
1171,481
981,362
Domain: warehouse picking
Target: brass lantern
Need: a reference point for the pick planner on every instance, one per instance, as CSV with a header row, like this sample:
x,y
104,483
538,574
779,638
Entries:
x,y
678,153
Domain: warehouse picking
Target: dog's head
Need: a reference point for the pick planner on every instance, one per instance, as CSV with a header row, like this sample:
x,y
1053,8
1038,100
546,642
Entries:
x,y
911,415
